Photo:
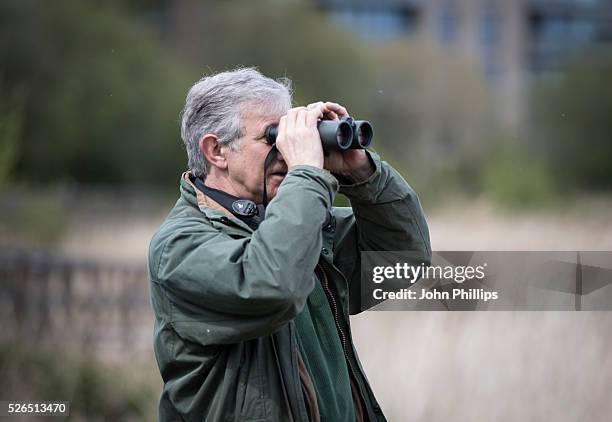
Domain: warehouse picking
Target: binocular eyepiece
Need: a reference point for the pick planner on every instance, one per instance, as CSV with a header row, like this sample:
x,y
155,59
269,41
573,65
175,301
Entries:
x,y
342,134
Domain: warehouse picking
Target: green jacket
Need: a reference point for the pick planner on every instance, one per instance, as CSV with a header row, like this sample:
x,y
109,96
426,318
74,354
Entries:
x,y
254,325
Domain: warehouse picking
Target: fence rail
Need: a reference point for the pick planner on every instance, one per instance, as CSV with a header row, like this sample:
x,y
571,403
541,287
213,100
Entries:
x,y
97,307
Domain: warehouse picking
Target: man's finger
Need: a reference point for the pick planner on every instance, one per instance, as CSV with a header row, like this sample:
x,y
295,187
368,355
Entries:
x,y
292,116
290,119
282,127
314,115
330,115
301,119
336,108
313,105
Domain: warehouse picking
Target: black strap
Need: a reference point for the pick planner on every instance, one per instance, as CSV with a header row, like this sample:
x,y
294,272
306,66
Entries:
x,y
271,155
244,209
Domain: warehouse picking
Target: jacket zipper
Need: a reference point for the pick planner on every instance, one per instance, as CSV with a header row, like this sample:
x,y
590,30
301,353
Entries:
x,y
343,336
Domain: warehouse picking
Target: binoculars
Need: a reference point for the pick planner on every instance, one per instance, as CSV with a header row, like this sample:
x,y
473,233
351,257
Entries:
x,y
342,134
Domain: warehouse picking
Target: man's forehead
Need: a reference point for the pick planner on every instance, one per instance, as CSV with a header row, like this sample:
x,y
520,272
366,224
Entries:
x,y
257,118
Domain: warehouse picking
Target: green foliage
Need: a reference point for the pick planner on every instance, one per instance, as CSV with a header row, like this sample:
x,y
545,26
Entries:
x,y
432,109
291,39
11,124
515,179
104,103
91,94
95,393
103,96
575,128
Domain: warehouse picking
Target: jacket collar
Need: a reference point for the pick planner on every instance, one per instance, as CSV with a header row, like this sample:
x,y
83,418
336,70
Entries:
x,y
208,206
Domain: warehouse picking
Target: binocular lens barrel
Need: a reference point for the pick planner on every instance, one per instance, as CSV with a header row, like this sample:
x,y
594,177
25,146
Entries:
x,y
363,133
336,134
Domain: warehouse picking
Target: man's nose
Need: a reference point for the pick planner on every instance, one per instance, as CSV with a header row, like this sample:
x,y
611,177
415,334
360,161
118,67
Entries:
x,y
279,156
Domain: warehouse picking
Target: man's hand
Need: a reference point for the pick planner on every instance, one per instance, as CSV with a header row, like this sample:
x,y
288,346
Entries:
x,y
298,138
352,163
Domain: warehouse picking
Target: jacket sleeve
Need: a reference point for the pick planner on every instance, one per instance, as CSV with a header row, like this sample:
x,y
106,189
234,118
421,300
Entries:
x,y
386,215
221,290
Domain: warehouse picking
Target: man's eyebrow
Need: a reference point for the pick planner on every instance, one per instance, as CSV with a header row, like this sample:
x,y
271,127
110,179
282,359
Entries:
x,y
262,131
260,137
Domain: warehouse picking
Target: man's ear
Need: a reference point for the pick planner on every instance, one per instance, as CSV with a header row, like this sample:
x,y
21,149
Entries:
x,y
211,149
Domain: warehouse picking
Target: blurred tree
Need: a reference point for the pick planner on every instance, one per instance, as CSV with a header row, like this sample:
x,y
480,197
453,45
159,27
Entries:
x,y
105,94
105,82
325,62
11,123
515,177
103,97
574,128
435,114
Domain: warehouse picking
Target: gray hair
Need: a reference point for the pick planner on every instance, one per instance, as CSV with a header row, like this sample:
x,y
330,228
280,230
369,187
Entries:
x,y
215,104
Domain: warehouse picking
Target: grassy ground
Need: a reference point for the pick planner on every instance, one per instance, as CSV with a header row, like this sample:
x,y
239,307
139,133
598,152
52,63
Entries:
x,y
501,366
488,366
461,225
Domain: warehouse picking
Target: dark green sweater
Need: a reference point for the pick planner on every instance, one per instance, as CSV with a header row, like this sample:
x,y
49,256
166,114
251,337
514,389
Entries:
x,y
324,358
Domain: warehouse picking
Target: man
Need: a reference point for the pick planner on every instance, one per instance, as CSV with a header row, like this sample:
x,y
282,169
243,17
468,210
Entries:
x,y
252,312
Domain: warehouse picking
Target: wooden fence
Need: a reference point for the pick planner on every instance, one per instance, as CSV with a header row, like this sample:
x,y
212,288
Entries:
x,y
97,307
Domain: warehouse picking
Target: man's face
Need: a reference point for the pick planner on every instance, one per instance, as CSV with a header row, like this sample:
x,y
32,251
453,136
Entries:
x,y
246,164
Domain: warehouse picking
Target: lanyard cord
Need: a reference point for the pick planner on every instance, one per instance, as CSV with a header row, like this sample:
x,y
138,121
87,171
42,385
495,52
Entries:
x,y
271,155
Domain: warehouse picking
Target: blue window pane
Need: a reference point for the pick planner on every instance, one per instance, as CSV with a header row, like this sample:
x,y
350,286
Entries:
x,y
448,23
